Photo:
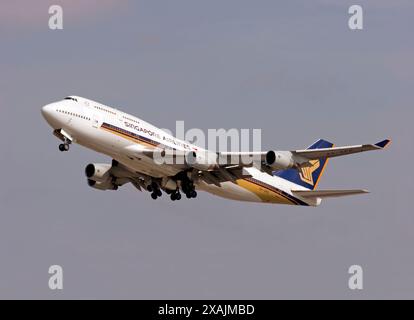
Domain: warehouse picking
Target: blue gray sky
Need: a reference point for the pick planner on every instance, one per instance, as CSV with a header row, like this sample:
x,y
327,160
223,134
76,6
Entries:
x,y
290,68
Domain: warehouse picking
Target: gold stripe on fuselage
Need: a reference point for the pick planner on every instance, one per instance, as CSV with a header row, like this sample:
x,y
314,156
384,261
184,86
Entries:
x,y
122,135
265,194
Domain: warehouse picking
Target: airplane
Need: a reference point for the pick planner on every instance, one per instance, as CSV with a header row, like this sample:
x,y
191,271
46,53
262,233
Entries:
x,y
279,177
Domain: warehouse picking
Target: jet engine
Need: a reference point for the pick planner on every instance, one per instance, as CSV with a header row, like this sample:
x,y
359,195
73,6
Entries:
x,y
99,172
280,160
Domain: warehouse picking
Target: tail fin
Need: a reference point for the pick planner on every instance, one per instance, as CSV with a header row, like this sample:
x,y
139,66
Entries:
x,y
308,177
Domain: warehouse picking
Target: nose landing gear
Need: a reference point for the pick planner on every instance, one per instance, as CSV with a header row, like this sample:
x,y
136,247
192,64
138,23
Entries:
x,y
64,147
65,137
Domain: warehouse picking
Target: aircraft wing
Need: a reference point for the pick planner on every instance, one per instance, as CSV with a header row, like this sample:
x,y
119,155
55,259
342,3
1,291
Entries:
x,y
272,161
312,154
327,193
228,166
230,158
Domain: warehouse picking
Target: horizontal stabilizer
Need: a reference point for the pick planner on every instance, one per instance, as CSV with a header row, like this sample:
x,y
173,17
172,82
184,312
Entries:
x,y
327,193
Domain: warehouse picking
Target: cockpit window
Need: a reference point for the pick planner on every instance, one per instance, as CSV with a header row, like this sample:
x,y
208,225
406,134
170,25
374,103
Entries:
x,y
70,98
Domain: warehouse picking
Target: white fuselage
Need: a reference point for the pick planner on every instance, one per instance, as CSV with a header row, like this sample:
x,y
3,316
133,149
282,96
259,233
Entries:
x,y
117,134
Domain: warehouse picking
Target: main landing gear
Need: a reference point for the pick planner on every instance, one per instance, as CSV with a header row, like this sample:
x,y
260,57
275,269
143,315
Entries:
x,y
176,195
155,190
191,194
187,187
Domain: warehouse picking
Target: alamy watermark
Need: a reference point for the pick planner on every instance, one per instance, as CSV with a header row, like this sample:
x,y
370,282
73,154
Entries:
x,y
356,21
56,278
240,146
356,281
56,17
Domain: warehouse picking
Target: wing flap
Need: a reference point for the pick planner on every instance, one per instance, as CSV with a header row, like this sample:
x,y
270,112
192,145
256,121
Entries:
x,y
327,193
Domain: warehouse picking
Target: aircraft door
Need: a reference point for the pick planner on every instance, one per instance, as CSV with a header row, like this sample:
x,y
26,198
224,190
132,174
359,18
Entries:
x,y
96,120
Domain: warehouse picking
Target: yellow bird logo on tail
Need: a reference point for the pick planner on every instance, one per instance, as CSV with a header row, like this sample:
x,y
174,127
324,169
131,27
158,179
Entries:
x,y
306,172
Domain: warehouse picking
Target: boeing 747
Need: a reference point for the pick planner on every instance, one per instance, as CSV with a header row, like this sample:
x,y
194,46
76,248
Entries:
x,y
134,145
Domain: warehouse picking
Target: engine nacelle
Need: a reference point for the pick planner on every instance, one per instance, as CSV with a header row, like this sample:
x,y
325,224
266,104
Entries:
x,y
99,172
280,160
105,185
202,160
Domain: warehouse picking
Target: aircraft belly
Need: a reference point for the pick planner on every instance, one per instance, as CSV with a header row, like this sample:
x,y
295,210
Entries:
x,y
229,190
147,166
249,190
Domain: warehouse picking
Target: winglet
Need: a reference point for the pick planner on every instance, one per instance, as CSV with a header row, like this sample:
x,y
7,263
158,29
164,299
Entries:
x,y
384,143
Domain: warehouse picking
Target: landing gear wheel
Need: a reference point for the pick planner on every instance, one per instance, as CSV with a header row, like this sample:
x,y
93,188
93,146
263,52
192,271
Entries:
x,y
64,147
191,194
154,196
175,196
159,193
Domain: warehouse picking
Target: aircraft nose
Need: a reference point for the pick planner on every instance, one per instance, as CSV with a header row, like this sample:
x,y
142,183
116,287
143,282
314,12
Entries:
x,y
47,111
